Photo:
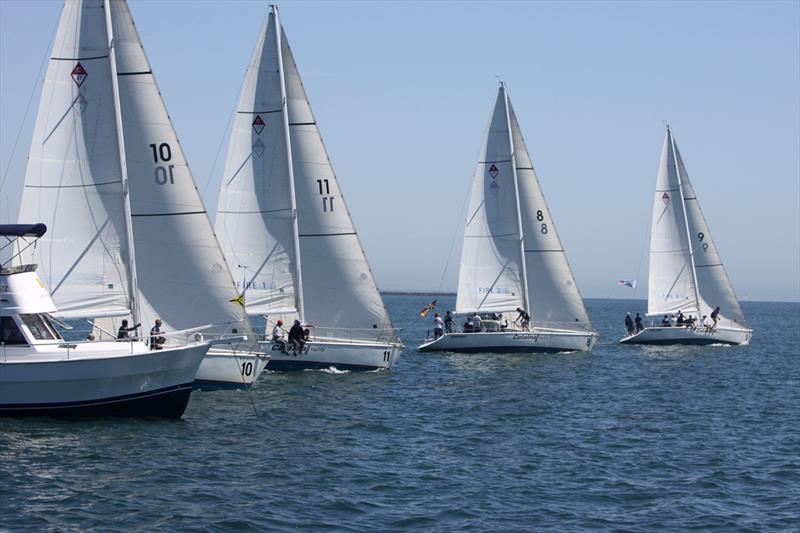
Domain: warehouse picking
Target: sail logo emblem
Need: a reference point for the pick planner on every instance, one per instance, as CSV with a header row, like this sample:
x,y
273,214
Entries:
x,y
80,103
493,171
665,198
258,147
79,74
258,124
494,187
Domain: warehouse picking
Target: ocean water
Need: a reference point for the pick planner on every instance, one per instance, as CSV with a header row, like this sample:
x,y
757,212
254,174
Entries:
x,y
624,438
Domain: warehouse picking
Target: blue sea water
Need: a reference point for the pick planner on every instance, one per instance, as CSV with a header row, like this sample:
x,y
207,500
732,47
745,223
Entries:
x,y
625,438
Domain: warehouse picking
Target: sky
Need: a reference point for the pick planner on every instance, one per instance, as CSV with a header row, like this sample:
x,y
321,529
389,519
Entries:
x,y
402,92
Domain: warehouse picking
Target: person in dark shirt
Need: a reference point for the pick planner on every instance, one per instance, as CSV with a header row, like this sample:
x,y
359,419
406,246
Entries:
x,y
297,336
629,324
157,340
681,319
122,333
638,321
665,323
449,323
523,318
715,318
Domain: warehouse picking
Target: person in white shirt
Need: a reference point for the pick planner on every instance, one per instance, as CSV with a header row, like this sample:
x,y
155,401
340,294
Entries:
x,y
277,336
438,326
476,323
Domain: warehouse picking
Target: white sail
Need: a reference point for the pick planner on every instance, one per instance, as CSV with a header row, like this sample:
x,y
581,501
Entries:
x,y
490,276
182,275
552,289
73,180
339,289
713,284
254,214
671,281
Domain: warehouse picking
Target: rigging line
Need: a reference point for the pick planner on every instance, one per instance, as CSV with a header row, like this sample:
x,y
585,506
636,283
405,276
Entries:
x,y
28,107
453,238
225,134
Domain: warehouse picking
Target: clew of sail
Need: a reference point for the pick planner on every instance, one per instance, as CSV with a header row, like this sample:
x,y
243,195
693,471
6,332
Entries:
x,y
490,274
73,180
714,286
552,290
671,279
182,275
254,215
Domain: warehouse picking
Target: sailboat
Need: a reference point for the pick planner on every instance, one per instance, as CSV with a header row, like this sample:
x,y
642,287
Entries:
x,y
42,375
686,271
282,220
512,257
129,235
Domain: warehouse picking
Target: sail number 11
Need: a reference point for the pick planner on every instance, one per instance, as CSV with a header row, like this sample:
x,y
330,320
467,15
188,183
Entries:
x,y
163,173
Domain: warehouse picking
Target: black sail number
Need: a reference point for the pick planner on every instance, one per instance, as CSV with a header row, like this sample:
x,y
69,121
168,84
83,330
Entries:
x,y
164,173
700,237
325,191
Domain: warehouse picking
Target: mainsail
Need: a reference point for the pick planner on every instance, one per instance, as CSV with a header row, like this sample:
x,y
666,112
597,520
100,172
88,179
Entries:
x,y
713,284
73,181
332,285
672,285
552,290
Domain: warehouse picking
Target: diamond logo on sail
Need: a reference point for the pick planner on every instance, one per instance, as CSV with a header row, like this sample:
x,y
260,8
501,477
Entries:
x,y
258,147
665,198
80,103
258,124
494,187
79,74
493,171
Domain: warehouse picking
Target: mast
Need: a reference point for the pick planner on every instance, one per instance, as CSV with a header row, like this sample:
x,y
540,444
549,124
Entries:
x,y
133,285
516,200
298,272
685,218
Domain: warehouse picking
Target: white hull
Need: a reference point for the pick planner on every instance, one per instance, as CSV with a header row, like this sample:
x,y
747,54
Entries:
x,y
535,341
228,368
680,335
341,355
97,379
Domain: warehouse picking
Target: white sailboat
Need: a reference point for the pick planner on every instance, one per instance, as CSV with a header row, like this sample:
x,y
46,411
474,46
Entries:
x,y
512,256
41,374
686,270
129,235
282,220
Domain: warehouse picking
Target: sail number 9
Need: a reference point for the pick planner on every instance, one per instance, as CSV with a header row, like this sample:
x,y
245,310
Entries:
x,y
700,237
163,173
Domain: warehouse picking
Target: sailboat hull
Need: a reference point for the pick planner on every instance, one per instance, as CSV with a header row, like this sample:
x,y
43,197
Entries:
x,y
679,335
339,355
223,369
122,380
535,341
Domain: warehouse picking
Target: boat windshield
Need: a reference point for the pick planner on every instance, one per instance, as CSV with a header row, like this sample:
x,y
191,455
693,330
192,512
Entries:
x,y
40,327
10,333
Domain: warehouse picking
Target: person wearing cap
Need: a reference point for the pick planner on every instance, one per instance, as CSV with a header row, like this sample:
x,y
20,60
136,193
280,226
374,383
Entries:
x,y
277,335
297,336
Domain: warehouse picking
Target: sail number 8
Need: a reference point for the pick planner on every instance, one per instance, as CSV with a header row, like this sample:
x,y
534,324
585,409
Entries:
x,y
163,173
540,217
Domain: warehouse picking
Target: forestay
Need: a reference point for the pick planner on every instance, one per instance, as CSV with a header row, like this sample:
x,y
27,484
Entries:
x,y
552,290
490,275
73,180
713,284
254,215
183,277
671,281
339,289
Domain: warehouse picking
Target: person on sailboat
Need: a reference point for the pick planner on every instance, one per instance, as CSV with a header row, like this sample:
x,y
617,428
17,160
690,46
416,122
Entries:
x,y
122,333
715,317
665,323
477,324
523,318
438,326
708,323
297,336
681,320
277,336
638,321
629,324
157,340
449,323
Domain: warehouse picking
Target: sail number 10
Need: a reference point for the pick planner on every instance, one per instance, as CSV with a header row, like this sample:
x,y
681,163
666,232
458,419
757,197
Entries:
x,y
163,173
